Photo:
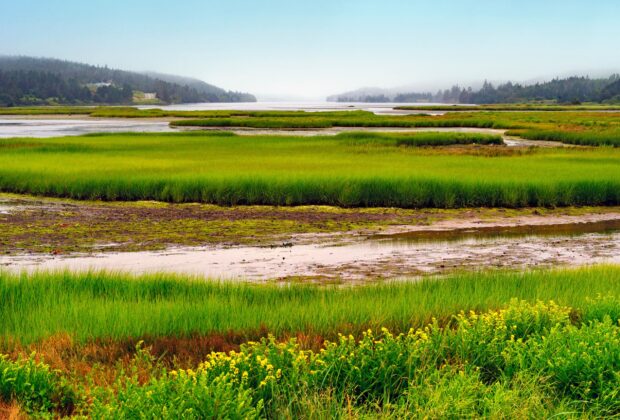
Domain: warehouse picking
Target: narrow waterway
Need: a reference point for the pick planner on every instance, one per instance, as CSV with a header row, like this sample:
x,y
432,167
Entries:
x,y
56,127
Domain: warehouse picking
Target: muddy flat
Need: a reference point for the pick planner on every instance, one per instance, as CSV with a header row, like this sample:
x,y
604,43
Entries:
x,y
262,243
35,126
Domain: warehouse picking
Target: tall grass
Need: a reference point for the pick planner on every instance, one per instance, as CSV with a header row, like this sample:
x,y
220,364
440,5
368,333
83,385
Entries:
x,y
587,128
89,306
589,138
527,360
418,139
468,345
321,121
344,171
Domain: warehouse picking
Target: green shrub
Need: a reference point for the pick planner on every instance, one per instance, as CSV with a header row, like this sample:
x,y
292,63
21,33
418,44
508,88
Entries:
x,y
34,386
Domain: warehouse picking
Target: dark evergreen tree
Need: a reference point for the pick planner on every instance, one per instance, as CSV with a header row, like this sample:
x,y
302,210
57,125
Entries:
x,y
30,81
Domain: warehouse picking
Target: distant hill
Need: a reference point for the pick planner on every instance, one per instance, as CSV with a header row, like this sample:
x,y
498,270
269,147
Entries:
x,y
365,94
566,90
611,92
33,81
201,87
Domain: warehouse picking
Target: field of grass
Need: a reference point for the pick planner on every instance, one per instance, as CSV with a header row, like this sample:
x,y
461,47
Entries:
x,y
132,112
346,170
486,119
492,344
406,349
580,138
360,139
582,128
582,125
48,110
93,306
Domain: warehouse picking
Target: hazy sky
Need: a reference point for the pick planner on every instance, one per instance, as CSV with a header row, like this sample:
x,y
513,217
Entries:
x,y
313,48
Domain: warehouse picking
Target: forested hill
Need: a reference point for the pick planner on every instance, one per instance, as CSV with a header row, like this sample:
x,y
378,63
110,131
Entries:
x,y
39,81
199,85
567,90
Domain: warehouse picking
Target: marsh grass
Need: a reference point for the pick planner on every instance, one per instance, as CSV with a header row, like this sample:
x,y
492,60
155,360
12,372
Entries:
x,y
222,168
418,139
589,138
90,306
584,125
528,359
568,125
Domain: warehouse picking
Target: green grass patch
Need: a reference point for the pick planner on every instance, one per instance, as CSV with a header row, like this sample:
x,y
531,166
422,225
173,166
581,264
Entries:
x,y
570,124
574,127
418,139
92,306
226,169
528,359
597,138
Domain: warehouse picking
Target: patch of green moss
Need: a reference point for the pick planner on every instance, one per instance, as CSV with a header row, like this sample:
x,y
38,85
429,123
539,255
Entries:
x,y
67,226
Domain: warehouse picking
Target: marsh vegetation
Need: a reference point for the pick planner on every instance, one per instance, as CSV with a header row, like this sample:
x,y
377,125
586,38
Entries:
x,y
347,170
469,344
391,349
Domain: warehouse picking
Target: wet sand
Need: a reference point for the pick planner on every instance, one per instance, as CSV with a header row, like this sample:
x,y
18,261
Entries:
x,y
367,260
467,243
55,127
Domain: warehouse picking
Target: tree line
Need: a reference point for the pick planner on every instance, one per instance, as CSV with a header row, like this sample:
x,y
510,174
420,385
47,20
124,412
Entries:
x,y
20,87
568,90
38,81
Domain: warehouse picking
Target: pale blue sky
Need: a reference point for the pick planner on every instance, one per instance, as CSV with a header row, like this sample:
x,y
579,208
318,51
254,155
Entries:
x,y
316,47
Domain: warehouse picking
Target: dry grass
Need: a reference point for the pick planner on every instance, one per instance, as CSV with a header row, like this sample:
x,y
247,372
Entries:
x,y
11,411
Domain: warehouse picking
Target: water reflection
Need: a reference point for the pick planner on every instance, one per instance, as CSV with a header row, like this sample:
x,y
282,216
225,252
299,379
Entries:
x,y
43,128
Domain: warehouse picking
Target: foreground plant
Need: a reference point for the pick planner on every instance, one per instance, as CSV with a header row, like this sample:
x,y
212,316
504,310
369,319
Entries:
x,y
34,386
526,360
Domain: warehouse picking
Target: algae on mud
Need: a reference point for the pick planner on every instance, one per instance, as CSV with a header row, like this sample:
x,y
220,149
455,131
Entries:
x,y
61,226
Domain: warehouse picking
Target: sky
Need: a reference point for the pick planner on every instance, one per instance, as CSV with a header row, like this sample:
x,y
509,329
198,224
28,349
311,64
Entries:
x,y
313,48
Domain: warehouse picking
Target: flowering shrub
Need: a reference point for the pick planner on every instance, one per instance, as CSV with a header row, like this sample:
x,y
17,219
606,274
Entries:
x,y
528,360
33,385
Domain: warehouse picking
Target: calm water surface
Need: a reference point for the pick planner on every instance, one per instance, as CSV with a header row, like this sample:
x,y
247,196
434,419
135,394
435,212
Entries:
x,y
42,128
14,126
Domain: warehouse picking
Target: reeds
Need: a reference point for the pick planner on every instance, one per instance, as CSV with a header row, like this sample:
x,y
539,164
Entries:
x,y
351,170
100,305
588,138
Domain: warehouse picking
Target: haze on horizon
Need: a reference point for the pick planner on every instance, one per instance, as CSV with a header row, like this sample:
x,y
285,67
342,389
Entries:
x,y
294,49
